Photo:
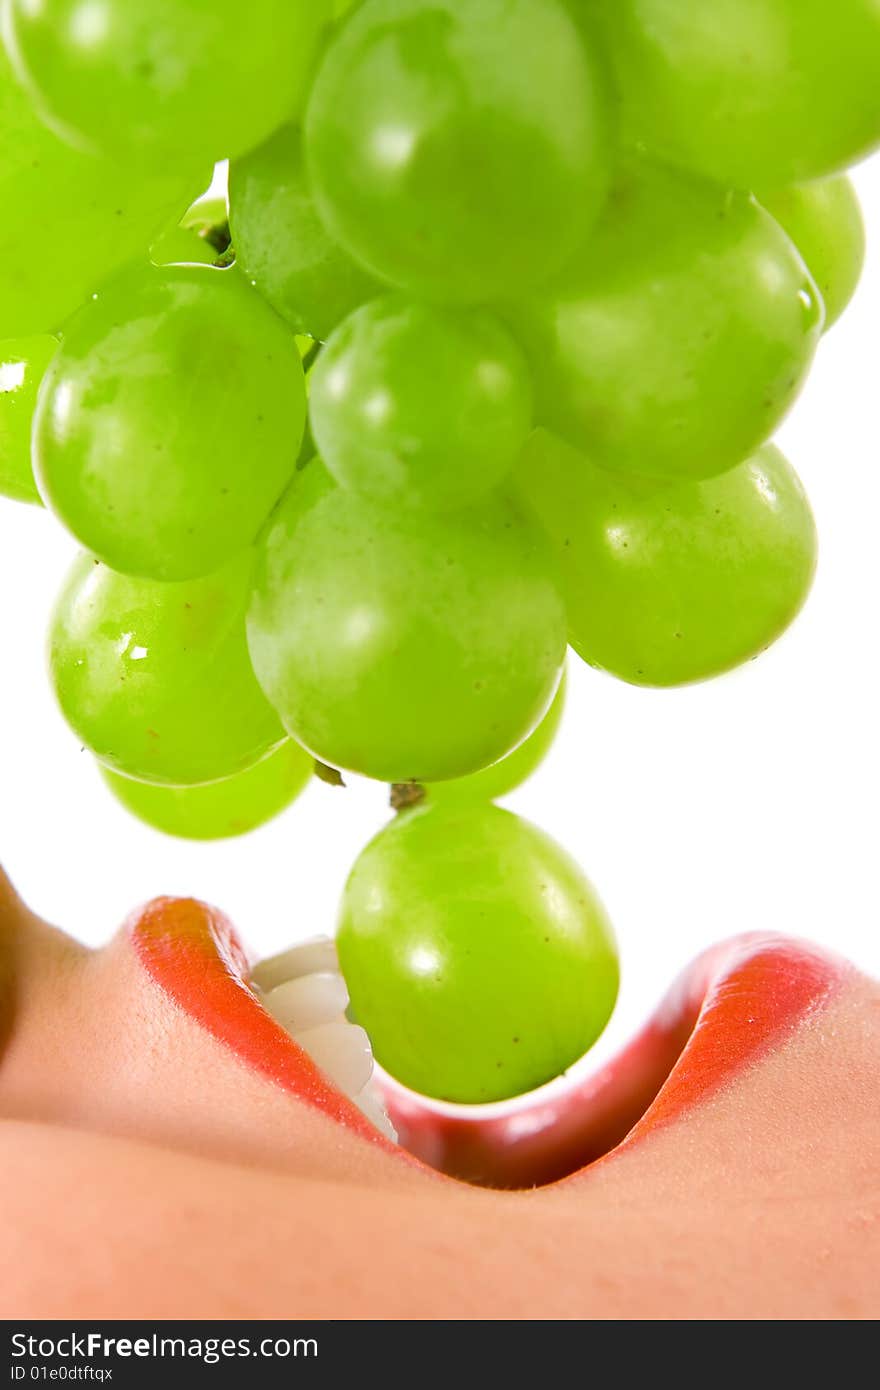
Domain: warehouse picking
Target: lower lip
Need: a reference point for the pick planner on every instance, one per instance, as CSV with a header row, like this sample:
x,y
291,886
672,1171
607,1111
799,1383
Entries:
x,y
735,1004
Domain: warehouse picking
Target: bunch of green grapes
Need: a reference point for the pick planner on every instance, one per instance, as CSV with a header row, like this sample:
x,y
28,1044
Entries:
x,y
481,361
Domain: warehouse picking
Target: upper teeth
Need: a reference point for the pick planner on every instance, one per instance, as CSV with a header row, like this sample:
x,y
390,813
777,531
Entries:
x,y
343,1051
304,991
308,1001
307,959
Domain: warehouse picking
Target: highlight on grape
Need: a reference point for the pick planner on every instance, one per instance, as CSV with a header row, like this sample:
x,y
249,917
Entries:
x,y
478,363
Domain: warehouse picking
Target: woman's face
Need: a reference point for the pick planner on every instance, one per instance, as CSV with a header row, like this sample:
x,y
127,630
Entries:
x,y
169,1151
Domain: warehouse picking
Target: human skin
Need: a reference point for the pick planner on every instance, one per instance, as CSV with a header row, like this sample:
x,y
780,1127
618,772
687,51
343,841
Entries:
x,y
168,1152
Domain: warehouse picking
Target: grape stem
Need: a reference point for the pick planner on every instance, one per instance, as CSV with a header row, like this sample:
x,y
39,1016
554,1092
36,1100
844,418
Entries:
x,y
311,354
219,236
405,795
331,775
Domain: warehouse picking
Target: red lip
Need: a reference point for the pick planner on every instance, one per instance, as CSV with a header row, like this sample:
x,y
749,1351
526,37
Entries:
x,y
193,954
731,1007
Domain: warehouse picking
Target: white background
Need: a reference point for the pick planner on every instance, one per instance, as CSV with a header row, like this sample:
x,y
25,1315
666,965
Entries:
x,y
750,802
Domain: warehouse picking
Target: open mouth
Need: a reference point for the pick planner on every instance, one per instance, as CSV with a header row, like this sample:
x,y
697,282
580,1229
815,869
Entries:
x,y
285,1017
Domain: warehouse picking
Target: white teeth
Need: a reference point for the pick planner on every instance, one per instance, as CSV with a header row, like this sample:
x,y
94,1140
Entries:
x,y
342,1050
371,1106
310,958
308,1001
304,991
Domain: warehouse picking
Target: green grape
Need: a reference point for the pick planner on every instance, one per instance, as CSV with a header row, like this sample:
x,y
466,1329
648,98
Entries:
x,y
755,93
408,649
155,678
676,341
166,82
181,245
420,406
282,245
825,223
69,220
476,953
671,583
201,237
458,150
222,809
505,776
170,420
22,364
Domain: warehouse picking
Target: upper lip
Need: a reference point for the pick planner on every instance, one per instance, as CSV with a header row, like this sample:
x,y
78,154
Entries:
x,y
734,1004
192,952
